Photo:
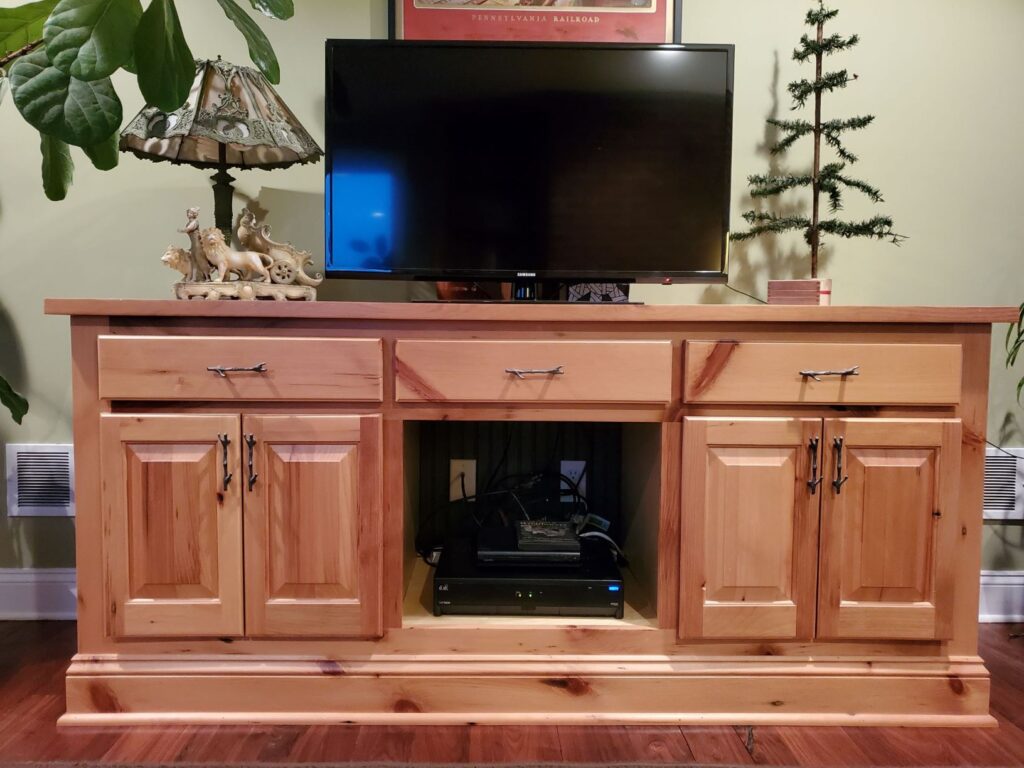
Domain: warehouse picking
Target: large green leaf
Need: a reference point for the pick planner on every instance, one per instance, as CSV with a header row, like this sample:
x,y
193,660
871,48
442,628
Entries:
x,y
58,168
23,25
275,9
165,63
16,404
260,50
91,39
72,110
105,155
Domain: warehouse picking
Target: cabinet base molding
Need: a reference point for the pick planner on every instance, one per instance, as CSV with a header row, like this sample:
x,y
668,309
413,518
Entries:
x,y
842,692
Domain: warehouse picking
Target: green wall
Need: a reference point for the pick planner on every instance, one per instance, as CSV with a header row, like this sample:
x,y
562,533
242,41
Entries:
x,y
946,151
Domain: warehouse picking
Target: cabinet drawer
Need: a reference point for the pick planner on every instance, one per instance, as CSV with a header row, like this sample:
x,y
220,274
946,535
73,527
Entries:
x,y
176,368
783,372
548,371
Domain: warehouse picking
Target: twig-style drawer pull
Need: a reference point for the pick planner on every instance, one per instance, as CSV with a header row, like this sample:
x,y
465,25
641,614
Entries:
x,y
250,441
225,441
816,479
224,370
837,446
853,370
522,373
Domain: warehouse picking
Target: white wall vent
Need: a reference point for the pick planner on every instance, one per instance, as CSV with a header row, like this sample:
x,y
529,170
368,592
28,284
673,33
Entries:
x,y
1004,484
40,480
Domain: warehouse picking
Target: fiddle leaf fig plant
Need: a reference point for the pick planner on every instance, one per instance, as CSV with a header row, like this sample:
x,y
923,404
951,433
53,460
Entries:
x,y
1014,344
15,403
57,57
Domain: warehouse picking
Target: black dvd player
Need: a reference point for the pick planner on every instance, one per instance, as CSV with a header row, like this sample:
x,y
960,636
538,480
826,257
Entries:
x,y
462,586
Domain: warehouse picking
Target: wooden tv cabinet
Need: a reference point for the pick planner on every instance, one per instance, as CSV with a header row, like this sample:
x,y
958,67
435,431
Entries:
x,y
804,487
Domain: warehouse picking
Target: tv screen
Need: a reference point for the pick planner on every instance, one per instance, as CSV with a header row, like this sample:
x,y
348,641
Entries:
x,y
492,161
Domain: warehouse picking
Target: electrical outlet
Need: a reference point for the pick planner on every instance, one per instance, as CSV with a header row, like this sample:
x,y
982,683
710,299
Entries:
x,y
457,468
577,472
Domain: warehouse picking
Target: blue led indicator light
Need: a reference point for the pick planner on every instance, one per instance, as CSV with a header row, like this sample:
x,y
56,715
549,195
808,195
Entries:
x,y
614,587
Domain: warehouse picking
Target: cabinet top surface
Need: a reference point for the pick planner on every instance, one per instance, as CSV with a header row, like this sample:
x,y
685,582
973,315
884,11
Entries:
x,y
482,312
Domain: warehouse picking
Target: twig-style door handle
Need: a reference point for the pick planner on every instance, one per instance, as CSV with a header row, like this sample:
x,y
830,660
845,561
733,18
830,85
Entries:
x,y
522,373
225,441
224,370
816,479
837,446
853,370
250,441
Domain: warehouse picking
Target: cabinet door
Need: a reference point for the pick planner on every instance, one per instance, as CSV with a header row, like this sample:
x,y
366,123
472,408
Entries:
x,y
749,528
888,530
313,517
172,519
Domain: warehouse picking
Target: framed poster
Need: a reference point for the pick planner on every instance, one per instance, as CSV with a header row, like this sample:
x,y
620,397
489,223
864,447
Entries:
x,y
571,21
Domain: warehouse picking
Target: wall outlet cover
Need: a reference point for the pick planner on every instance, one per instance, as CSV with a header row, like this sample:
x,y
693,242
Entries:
x,y
577,472
457,469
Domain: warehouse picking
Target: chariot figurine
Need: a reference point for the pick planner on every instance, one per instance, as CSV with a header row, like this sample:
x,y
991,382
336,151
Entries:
x,y
212,269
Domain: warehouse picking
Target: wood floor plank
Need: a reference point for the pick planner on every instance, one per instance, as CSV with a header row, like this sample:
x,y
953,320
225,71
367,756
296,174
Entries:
x,y
904,746
717,745
211,743
383,744
769,747
441,744
325,744
982,748
511,744
280,744
1010,736
623,745
823,747
147,745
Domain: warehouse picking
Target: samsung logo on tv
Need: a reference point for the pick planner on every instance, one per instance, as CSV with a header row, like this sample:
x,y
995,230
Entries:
x,y
526,274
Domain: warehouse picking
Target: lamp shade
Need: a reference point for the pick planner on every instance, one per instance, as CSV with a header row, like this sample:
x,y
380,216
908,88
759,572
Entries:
x,y
233,118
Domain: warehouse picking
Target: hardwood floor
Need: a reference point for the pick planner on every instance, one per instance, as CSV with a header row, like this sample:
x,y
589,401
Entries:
x,y
33,656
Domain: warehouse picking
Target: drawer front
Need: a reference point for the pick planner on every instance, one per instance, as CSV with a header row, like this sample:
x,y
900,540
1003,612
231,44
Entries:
x,y
533,371
774,372
176,368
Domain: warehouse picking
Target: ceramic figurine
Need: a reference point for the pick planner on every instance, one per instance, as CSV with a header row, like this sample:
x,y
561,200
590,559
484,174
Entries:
x,y
200,266
212,269
289,262
181,260
247,265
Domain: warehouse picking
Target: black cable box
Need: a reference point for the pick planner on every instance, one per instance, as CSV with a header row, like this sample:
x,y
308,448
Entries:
x,y
462,586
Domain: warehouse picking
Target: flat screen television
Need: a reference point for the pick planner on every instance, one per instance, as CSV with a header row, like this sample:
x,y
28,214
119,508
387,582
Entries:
x,y
471,161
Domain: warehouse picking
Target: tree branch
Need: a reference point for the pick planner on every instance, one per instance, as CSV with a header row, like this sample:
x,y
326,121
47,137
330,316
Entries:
x,y
7,58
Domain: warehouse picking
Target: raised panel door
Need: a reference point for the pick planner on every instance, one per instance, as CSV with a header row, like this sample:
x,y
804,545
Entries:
x,y
889,516
172,516
749,528
313,517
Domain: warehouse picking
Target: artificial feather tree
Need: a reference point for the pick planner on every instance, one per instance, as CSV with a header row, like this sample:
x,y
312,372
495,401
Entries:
x,y
831,178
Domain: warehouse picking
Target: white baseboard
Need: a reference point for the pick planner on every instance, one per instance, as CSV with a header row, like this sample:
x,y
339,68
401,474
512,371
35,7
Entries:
x,y
38,593
1002,597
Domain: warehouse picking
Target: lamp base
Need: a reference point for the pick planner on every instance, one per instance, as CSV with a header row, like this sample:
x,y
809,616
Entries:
x,y
223,195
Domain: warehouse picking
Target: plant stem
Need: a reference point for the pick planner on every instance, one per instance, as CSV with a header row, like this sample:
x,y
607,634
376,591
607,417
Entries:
x,y
8,58
815,184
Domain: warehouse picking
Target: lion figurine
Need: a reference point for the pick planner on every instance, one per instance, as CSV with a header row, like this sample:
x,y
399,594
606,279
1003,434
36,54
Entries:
x,y
179,259
247,265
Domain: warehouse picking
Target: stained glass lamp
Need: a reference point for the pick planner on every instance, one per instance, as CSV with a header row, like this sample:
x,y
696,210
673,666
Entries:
x,y
233,118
